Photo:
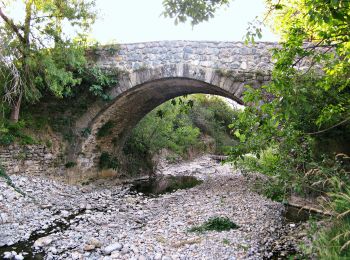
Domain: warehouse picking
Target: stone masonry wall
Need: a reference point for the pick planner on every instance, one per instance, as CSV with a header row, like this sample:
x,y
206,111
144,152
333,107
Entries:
x,y
33,159
207,54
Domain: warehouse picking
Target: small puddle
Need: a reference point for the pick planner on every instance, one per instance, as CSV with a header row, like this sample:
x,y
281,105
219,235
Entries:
x,y
294,214
26,246
165,184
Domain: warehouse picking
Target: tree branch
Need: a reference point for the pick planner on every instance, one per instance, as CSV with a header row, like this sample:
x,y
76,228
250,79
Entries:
x,y
12,25
329,128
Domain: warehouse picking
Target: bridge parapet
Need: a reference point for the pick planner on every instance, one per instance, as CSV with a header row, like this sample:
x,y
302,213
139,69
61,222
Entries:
x,y
207,54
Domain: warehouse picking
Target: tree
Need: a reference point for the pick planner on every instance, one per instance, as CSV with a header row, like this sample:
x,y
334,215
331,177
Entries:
x,y
36,54
313,33
197,10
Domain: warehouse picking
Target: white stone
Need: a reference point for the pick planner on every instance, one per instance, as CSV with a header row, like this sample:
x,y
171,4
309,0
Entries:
x,y
94,241
243,65
112,247
4,218
43,241
76,255
19,257
158,256
7,255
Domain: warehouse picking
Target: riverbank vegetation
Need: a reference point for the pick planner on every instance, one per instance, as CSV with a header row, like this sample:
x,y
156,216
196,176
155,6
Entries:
x,y
185,127
300,134
296,129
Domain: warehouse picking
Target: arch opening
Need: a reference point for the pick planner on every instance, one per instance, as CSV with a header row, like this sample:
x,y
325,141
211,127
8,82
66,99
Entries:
x,y
134,102
130,107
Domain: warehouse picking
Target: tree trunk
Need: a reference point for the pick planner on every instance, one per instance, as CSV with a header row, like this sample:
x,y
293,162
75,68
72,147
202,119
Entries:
x,y
15,110
26,51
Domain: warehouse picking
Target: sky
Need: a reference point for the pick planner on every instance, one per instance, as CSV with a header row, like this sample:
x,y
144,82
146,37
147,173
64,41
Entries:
x,y
129,21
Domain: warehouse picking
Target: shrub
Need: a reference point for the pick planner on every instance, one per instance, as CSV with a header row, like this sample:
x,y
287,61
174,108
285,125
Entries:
x,y
108,161
215,224
178,124
70,164
105,130
14,132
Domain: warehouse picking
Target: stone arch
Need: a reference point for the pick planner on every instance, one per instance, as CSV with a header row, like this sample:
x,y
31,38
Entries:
x,y
140,91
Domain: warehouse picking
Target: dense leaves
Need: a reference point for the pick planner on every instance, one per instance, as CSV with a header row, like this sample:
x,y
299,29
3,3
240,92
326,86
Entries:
x,y
197,10
42,57
297,128
180,123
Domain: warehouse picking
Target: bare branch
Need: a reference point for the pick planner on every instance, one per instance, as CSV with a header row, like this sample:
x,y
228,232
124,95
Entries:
x,y
12,25
329,128
13,83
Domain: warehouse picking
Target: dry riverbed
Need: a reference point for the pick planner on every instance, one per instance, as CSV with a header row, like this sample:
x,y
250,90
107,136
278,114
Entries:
x,y
103,220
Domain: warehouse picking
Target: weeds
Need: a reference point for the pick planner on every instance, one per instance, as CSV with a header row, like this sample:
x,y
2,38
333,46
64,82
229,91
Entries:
x,y
215,224
108,161
9,181
105,130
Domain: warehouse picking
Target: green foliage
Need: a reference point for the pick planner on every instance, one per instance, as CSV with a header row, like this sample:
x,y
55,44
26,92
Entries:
x,y
108,161
98,81
14,132
333,242
9,181
225,241
164,127
178,124
213,116
36,48
303,110
197,10
70,164
105,130
58,114
300,109
215,224
271,164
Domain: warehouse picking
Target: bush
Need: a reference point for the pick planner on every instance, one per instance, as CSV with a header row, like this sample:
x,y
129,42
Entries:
x,y
178,124
333,242
70,164
215,224
108,161
14,132
105,130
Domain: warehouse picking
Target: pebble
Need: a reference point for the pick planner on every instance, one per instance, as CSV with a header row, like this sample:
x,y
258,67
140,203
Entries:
x,y
111,223
43,241
7,255
113,247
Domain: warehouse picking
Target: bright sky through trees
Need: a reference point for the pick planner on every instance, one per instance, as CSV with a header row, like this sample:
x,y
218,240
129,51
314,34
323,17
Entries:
x,y
139,21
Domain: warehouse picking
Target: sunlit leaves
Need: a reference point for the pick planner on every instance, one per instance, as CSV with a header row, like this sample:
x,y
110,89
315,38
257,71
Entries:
x,y
196,10
44,53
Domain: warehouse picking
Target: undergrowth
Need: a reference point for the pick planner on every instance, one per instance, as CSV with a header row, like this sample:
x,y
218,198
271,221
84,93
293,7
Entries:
x,y
215,224
9,181
184,126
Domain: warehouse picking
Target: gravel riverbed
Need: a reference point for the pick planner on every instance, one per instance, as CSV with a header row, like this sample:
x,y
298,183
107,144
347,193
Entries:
x,y
103,220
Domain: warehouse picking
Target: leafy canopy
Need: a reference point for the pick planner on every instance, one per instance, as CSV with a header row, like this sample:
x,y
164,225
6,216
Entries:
x,y
197,10
45,46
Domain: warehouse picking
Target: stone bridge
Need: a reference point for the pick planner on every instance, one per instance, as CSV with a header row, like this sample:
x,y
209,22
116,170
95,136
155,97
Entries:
x,y
155,72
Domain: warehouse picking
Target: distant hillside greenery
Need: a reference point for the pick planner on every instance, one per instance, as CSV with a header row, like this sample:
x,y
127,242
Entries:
x,y
193,124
